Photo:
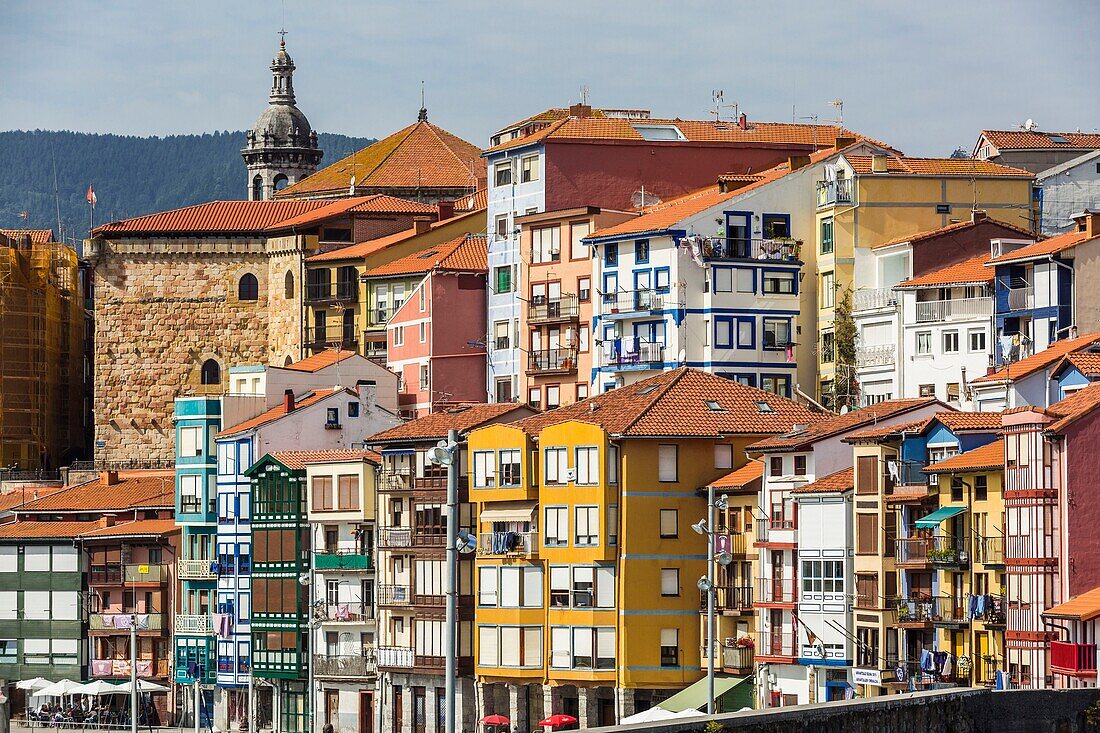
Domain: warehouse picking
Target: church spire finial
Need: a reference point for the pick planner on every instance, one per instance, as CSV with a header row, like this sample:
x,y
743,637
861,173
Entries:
x,y
423,116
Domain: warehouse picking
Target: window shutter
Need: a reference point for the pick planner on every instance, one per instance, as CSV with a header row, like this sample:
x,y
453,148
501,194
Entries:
x,y
867,475
532,587
605,586
866,534
669,637
510,649
532,646
488,646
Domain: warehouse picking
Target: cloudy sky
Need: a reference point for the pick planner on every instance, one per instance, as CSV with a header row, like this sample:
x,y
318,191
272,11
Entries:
x,y
925,76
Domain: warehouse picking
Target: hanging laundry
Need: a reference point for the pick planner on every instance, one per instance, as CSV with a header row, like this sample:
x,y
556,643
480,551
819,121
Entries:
x,y
948,666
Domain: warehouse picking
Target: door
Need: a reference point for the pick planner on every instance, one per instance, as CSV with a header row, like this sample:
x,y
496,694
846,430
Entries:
x,y
332,708
776,636
643,290
553,300
777,577
737,235
398,709
366,712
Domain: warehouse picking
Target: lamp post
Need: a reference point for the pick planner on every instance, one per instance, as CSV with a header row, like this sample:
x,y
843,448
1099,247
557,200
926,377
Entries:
x,y
706,583
133,674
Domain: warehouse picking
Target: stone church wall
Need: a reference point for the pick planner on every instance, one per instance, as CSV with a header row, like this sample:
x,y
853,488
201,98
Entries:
x,y
284,305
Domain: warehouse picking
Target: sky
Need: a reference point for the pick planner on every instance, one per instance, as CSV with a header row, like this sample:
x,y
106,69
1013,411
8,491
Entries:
x,y
925,77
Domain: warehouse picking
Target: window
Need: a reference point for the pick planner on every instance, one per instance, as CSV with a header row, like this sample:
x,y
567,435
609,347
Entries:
x,y
398,335
583,337
866,534
553,396
190,442
557,526
723,280
288,285
332,417
611,255
422,298
641,251
981,487
976,338
588,466
190,494
487,586
950,342
248,288
800,465
502,173
670,581
584,289
613,464
510,468
613,524
777,333
670,647
423,331
826,236
321,488
424,376
952,391
723,455
556,461
670,523
529,169
211,372
534,397
723,333
587,526
776,384
484,475
501,226
503,389
661,280
347,492
924,342
828,347
546,244
578,230
778,282
775,466
822,576
828,289
956,488
502,279
927,390
666,463
582,392
866,475
353,409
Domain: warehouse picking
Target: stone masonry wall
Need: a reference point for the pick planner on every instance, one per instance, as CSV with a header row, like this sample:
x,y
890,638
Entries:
x,y
284,314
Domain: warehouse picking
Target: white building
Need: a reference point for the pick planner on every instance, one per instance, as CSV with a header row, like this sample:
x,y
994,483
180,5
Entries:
x,y
1065,189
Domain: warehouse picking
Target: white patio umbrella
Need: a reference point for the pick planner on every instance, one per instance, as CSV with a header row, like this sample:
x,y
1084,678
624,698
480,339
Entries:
x,y
143,686
651,715
100,687
60,689
37,683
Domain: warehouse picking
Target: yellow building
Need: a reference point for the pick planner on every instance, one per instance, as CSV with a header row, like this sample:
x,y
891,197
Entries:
x,y
868,199
559,583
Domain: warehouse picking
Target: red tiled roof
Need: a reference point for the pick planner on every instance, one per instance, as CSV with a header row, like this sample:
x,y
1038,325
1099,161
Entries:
x,y
320,360
279,411
1025,139
674,404
144,489
369,247
17,498
1084,607
139,528
986,458
957,421
475,201
741,478
462,418
955,228
1074,407
466,253
299,459
1043,248
30,529
1042,360
838,424
1088,363
38,236
376,204
966,272
835,483
421,155
886,431
214,217
963,167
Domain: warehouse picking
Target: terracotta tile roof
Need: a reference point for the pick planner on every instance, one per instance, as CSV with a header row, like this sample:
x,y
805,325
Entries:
x,y
966,272
299,459
38,236
880,432
957,227
475,201
674,404
1037,362
320,360
139,528
839,424
30,529
957,421
1084,607
1088,363
988,457
135,489
1074,407
745,477
421,155
466,253
835,483
279,411
16,499
1043,248
214,217
365,249
963,167
549,115
1025,140
377,204
462,418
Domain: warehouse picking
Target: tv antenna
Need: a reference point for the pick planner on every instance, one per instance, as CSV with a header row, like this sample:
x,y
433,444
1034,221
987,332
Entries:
x,y
584,94
717,96
838,104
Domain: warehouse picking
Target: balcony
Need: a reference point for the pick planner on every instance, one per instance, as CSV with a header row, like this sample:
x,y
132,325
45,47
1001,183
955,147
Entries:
x,y
508,544
127,574
192,623
331,338
196,570
879,355
989,551
146,668
1073,660
347,291
393,538
866,299
394,595
830,193
738,659
342,560
777,532
360,665
776,592
952,611
396,481
627,302
914,678
740,248
351,611
772,646
737,544
563,308
730,599
930,311
916,612
552,361
122,621
380,315
633,354
1021,298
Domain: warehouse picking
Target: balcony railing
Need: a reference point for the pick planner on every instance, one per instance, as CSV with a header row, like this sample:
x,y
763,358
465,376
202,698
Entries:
x,y
550,361
335,337
985,673
916,611
396,656
361,665
394,537
776,591
737,544
989,550
872,298
834,192
945,310
776,644
942,550
1021,298
395,595
635,301
741,248
873,356
626,353
351,559
146,668
123,621
354,611
953,610
737,659
403,480
543,309
380,315
131,573
1075,660
346,291
193,623
735,598
914,677
508,543
196,570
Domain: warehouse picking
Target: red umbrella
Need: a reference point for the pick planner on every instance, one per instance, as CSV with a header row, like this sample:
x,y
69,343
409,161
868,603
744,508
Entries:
x,y
495,720
558,720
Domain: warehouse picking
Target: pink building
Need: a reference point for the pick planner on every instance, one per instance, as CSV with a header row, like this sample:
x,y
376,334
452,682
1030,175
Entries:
x,y
435,341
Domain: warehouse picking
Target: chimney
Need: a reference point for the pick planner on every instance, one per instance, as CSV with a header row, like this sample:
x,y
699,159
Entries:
x,y
422,224
743,121
977,215
368,391
798,161
107,520
445,209
288,401
843,141
878,163
1091,224
580,110
108,478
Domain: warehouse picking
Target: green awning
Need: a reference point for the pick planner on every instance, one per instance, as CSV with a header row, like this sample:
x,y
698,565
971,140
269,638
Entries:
x,y
695,696
944,512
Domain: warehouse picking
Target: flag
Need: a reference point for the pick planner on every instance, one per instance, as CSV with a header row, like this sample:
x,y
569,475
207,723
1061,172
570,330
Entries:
x,y
91,196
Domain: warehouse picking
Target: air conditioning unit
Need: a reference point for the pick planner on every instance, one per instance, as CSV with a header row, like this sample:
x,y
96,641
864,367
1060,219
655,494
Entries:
x,y
933,479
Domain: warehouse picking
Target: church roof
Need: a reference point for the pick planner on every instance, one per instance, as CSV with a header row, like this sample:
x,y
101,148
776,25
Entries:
x,y
421,155
213,217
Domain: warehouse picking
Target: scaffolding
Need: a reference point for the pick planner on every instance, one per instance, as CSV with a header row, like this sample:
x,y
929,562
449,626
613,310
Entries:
x,y
41,354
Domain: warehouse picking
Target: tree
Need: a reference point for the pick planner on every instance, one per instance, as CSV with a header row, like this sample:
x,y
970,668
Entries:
x,y
844,390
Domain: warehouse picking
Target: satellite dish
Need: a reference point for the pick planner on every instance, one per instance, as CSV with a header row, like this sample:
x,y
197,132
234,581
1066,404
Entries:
x,y
681,356
641,199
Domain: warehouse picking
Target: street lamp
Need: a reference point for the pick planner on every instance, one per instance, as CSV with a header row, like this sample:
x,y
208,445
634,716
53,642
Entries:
x,y
444,454
706,582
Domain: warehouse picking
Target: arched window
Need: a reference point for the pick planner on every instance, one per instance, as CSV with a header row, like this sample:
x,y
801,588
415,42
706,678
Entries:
x,y
211,372
280,182
288,361
248,288
288,285
258,188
